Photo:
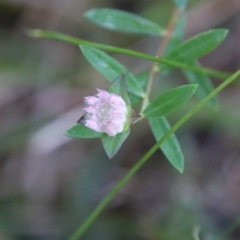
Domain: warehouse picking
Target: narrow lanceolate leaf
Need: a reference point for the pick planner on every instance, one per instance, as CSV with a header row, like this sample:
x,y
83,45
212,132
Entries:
x,y
119,87
123,22
80,131
169,101
198,46
205,86
112,144
111,68
170,147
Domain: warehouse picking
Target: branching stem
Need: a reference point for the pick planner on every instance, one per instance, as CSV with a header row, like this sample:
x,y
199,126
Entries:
x,y
160,52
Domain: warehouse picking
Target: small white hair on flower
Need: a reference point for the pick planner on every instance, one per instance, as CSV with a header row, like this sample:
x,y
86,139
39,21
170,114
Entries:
x,y
105,112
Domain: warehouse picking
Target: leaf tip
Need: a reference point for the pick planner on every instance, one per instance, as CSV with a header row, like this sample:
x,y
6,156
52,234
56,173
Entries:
x,y
193,87
179,166
110,156
34,33
224,31
67,134
181,169
90,13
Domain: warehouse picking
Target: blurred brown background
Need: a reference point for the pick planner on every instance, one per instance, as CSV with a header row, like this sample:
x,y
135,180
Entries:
x,y
49,183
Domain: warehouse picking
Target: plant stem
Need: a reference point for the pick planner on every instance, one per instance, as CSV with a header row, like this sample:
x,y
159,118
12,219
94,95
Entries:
x,y
160,52
38,33
86,224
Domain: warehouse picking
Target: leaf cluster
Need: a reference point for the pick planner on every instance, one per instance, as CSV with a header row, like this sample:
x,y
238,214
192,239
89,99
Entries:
x,y
180,53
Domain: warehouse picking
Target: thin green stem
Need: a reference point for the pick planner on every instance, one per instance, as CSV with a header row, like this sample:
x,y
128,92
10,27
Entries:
x,y
86,224
38,33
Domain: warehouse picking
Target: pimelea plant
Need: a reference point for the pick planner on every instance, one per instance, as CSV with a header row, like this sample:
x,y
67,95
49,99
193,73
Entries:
x,y
109,114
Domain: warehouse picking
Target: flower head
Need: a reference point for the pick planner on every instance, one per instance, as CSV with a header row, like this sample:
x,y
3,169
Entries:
x,y
105,112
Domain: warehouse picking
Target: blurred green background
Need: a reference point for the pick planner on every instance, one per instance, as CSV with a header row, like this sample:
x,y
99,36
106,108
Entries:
x,y
49,183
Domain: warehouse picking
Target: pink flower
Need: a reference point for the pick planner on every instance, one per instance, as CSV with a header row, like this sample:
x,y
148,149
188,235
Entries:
x,y
105,112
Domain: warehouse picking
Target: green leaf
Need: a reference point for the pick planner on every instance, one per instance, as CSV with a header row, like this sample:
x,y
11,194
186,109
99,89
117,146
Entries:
x,y
119,87
170,147
198,46
81,131
111,68
169,101
181,4
112,144
205,86
122,21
